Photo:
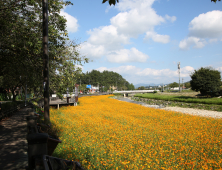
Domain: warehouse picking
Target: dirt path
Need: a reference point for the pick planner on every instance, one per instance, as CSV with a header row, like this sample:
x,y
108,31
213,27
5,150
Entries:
x,y
13,143
196,112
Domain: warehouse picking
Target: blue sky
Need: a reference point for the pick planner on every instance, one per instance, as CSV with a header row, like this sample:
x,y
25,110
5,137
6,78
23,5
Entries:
x,y
143,40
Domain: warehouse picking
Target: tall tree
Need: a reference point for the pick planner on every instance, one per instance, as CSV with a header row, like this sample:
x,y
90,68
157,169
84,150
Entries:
x,y
174,84
206,80
21,43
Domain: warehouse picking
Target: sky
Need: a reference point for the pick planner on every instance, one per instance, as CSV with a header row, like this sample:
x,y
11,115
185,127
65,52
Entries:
x,y
143,40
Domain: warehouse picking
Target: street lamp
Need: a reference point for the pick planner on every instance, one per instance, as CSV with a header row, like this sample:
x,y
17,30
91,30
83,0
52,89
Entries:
x,y
179,74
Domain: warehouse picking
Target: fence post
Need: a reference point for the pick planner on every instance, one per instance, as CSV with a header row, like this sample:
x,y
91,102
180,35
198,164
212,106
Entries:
x,y
37,146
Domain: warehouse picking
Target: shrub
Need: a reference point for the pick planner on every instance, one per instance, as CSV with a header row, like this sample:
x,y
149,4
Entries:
x,y
206,80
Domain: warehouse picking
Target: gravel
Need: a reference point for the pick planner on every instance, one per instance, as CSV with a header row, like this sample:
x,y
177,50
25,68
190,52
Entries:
x,y
191,111
196,112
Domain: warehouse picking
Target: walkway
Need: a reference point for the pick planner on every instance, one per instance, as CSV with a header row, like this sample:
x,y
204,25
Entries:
x,y
13,143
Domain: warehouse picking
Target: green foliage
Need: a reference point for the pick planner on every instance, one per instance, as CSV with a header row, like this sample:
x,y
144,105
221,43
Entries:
x,y
118,94
186,99
111,2
141,88
187,85
3,97
174,84
206,80
106,79
21,47
154,91
215,0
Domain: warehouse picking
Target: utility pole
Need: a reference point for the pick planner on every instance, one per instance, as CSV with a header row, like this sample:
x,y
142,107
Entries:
x,y
90,87
116,85
45,60
182,84
179,74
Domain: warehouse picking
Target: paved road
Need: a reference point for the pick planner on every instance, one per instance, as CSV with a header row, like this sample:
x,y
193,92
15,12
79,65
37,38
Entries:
x,y
13,143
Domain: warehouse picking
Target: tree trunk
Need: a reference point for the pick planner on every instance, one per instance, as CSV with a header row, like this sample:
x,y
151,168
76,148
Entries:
x,y
14,95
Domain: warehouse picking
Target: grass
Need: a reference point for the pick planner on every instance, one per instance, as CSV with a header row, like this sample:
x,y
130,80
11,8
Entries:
x,y
187,99
104,133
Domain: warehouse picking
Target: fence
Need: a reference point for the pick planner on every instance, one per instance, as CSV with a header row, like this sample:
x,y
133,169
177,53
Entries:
x,y
41,145
9,112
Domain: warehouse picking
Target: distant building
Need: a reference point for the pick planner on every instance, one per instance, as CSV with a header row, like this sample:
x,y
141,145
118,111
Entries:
x,y
113,87
94,89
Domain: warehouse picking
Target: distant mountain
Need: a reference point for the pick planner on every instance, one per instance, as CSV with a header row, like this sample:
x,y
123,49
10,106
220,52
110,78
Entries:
x,y
143,84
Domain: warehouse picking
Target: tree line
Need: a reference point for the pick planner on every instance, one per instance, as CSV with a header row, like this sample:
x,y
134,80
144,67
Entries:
x,y
105,80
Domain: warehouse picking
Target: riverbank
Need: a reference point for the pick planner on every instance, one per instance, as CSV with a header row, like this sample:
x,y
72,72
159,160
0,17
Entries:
x,y
165,103
128,99
160,105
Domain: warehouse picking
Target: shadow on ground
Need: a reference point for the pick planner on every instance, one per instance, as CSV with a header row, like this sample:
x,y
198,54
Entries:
x,y
13,143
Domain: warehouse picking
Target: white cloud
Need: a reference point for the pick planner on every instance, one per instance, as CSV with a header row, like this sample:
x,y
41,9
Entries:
x,y
186,71
192,41
203,27
219,69
72,25
136,17
134,74
125,55
157,37
125,5
108,37
213,40
129,69
171,19
101,69
92,51
115,56
208,25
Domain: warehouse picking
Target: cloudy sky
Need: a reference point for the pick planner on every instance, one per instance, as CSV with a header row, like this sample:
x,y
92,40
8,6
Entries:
x,y
143,40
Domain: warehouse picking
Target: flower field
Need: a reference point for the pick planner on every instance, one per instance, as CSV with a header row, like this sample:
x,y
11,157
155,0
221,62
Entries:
x,y
104,133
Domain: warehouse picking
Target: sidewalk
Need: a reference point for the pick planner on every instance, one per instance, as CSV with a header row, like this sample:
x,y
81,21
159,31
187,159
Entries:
x,y
13,143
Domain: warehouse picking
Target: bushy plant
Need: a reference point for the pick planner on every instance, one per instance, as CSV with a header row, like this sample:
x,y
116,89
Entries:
x,y
206,80
3,97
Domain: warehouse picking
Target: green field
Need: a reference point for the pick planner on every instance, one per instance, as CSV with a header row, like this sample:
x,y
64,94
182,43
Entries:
x,y
181,98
